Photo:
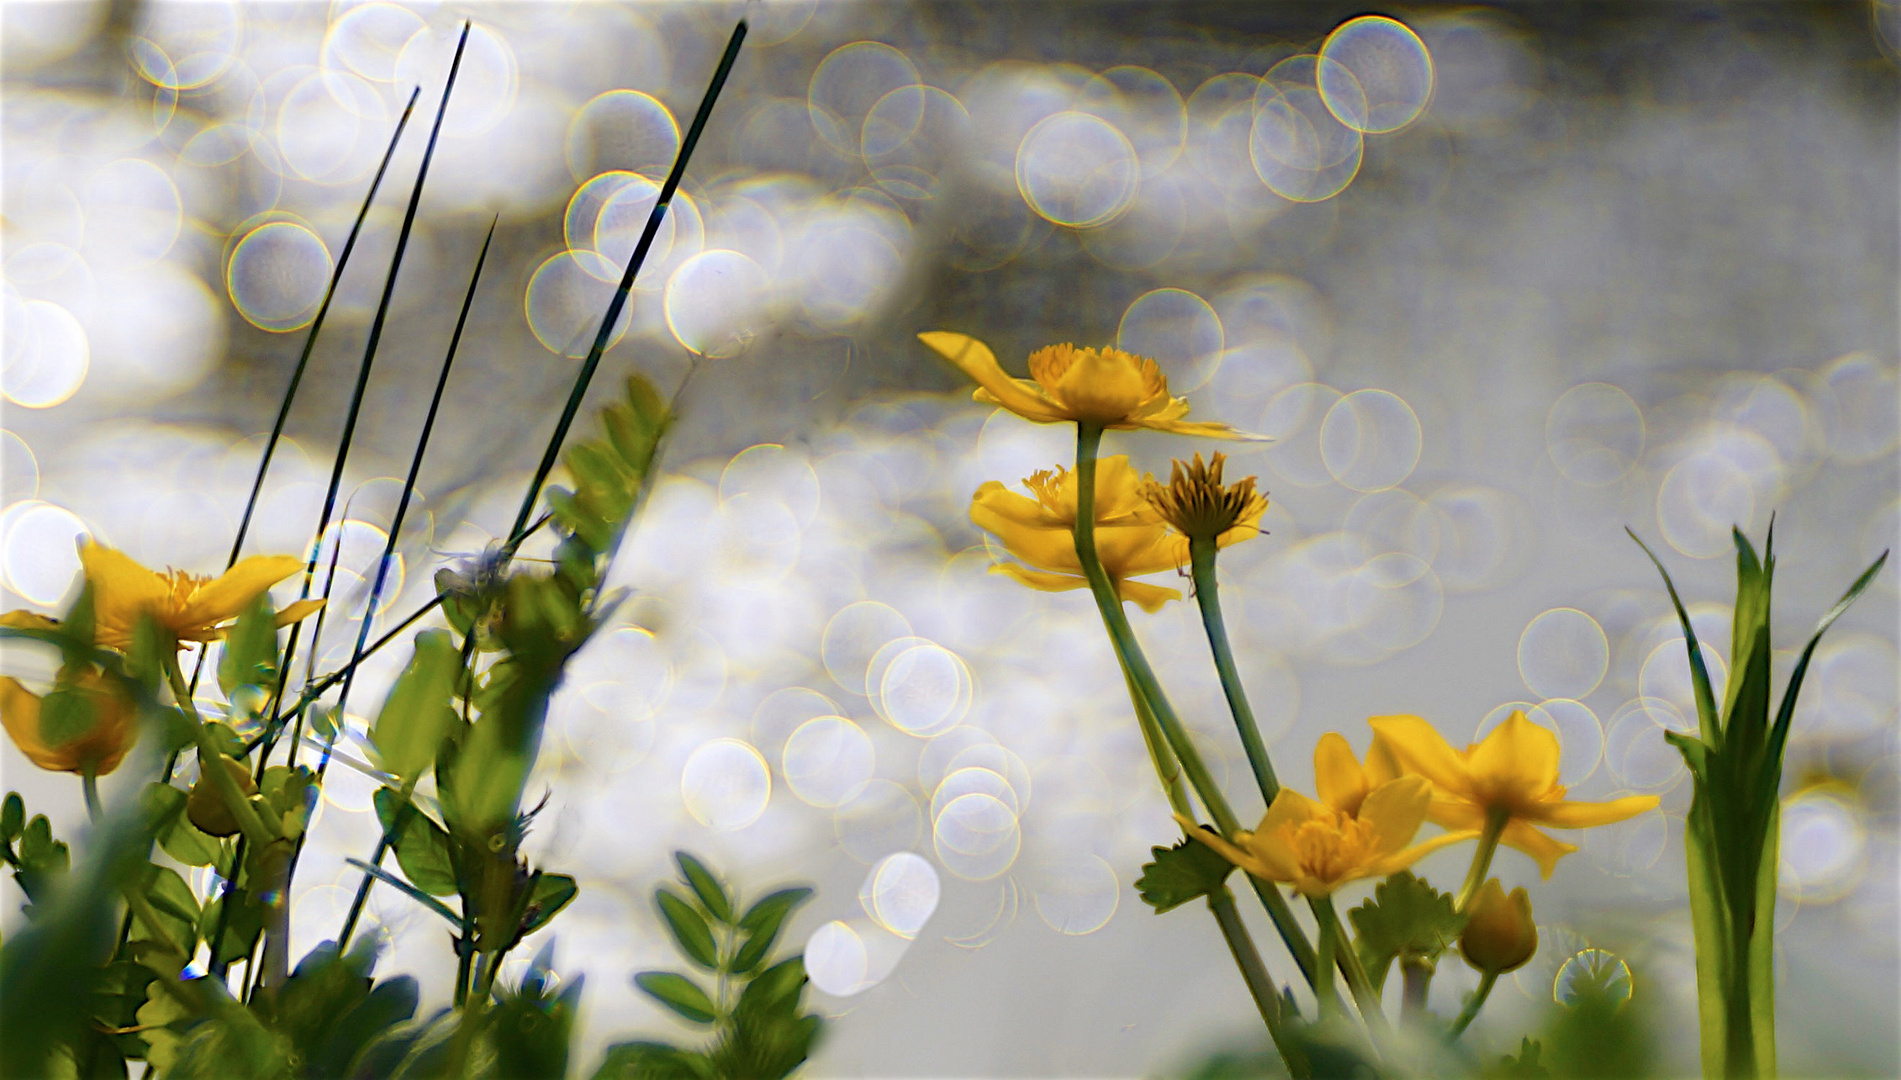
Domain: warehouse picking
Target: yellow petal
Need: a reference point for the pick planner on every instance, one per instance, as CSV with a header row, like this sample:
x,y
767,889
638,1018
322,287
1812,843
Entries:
x,y
1207,428
999,504
20,712
237,589
1284,816
1381,765
1235,855
1337,774
28,620
1585,815
1149,598
298,611
1394,863
975,359
1544,849
1516,763
1419,748
1395,810
122,591
1039,579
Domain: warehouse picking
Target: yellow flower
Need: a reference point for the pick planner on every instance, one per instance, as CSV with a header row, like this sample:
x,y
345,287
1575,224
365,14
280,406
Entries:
x,y
1197,504
1131,538
1105,386
187,606
1513,772
102,746
1499,934
1356,831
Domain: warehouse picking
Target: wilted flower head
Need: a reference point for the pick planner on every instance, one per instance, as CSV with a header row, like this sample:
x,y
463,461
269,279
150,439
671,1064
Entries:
x,y
1196,503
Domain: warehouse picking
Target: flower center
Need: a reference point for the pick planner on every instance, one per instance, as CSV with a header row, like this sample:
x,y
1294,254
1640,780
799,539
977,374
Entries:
x,y
1331,847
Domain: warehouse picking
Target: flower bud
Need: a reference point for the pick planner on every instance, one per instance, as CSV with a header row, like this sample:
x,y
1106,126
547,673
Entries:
x,y
206,807
1499,935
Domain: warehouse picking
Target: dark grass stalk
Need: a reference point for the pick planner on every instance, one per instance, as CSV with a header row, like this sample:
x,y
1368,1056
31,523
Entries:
x,y
382,574
369,357
290,395
303,357
639,256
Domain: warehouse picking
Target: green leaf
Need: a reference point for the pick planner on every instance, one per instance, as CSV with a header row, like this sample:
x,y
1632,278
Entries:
x,y
552,893
705,886
42,858
1708,722
389,1003
689,928
419,711
66,714
241,929
762,923
250,648
655,1061
164,807
777,985
175,905
325,986
13,817
1181,873
1779,736
1524,1066
679,993
422,846
166,1019
1404,916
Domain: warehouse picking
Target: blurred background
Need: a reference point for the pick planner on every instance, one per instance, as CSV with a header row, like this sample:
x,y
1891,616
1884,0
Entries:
x,y
1500,281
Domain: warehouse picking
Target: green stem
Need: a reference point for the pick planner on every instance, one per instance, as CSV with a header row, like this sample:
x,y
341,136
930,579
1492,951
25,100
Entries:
x,y
1254,973
89,783
1323,975
1495,821
1201,562
1166,765
1347,958
1135,663
1472,1006
1417,974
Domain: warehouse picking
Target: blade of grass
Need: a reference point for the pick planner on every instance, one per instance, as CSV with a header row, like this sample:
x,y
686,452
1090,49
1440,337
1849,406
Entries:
x,y
376,591
639,256
409,483
369,352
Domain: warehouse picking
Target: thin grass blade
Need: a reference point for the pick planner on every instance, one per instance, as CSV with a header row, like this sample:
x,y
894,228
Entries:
x,y
375,337
639,256
1707,718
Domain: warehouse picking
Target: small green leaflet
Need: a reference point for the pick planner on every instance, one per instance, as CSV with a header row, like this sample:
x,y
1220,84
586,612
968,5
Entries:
x,y
1180,874
1404,915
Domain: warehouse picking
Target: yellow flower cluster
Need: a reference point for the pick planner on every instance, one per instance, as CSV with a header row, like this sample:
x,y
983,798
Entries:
x,y
1367,815
187,607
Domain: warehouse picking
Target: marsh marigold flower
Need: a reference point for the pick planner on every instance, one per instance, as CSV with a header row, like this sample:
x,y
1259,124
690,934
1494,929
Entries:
x,y
1197,504
1499,934
101,746
187,606
1512,773
1353,832
1106,386
1131,538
